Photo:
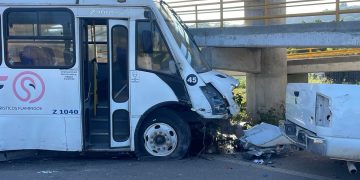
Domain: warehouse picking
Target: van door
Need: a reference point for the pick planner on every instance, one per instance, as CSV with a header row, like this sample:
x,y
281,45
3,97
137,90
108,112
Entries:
x,y
118,44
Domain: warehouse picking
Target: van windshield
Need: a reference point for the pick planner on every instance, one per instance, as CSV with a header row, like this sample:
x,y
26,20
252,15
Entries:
x,y
185,42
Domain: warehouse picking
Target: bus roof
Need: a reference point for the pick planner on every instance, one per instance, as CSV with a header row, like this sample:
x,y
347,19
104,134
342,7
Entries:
x,y
76,2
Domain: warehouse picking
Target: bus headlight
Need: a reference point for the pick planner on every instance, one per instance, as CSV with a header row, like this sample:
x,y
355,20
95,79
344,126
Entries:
x,y
217,102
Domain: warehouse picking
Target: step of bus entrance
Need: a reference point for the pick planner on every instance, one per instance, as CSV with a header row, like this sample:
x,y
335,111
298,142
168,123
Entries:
x,y
99,136
99,132
99,123
102,110
98,147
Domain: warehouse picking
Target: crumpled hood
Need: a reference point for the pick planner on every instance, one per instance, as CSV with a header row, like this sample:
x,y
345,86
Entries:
x,y
225,85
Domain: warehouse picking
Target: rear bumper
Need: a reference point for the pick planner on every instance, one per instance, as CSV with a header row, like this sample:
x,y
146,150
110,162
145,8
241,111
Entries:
x,y
333,147
305,139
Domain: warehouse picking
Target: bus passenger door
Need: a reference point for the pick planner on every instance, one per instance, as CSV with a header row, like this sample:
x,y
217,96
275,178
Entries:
x,y
118,42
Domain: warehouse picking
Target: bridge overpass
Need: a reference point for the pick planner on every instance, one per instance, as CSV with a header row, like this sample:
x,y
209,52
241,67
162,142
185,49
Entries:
x,y
329,34
219,41
264,29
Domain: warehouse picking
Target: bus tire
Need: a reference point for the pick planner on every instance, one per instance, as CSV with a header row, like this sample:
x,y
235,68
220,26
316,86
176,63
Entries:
x,y
164,135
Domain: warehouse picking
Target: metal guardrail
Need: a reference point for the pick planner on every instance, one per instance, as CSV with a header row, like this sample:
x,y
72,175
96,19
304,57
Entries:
x,y
195,8
309,53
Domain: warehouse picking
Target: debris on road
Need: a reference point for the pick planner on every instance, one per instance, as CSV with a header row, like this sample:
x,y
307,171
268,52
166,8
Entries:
x,y
264,135
258,161
263,140
47,172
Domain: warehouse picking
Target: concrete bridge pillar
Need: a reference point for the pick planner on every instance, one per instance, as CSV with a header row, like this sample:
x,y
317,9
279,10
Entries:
x,y
266,89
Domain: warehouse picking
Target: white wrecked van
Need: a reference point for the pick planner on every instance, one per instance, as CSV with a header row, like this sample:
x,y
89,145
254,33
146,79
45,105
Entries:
x,y
325,119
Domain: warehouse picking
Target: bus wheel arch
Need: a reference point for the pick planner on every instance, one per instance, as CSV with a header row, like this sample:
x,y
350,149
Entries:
x,y
170,124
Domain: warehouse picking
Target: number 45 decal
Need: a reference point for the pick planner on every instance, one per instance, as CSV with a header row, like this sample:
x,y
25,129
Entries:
x,y
192,79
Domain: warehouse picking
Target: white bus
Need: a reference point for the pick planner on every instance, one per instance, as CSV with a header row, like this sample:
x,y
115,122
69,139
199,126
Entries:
x,y
103,75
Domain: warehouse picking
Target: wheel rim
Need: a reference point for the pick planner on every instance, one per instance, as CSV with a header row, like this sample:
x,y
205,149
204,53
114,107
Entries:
x,y
160,139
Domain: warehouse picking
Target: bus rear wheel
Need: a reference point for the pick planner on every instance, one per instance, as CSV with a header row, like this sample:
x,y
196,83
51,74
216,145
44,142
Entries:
x,y
164,135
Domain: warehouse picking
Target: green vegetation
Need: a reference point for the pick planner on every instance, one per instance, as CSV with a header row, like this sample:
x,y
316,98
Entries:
x,y
317,79
240,99
240,92
272,116
244,117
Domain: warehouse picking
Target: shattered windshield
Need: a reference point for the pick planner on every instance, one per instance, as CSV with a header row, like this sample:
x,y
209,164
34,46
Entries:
x,y
183,39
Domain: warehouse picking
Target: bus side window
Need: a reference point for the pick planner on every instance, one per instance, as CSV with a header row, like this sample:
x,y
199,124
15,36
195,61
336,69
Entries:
x,y
152,52
39,38
120,49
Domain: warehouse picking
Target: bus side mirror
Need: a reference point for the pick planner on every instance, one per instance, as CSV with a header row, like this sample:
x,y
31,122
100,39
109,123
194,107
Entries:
x,y
148,14
147,42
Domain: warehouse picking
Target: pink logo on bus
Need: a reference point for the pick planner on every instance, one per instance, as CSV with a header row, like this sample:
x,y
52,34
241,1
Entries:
x,y
29,87
2,79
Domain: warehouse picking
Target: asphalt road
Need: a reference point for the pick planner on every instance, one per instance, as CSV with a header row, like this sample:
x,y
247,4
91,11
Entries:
x,y
225,167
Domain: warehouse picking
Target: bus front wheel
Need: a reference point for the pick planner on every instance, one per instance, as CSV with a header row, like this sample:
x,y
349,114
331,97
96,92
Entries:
x,y
164,135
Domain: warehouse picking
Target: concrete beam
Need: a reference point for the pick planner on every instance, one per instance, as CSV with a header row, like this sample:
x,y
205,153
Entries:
x,y
341,34
232,73
332,64
234,59
298,78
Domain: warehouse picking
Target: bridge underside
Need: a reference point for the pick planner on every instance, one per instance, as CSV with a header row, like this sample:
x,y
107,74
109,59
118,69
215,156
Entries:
x,y
329,64
248,60
333,34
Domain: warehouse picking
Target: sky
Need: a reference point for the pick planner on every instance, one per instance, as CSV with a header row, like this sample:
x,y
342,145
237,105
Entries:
x,y
309,6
